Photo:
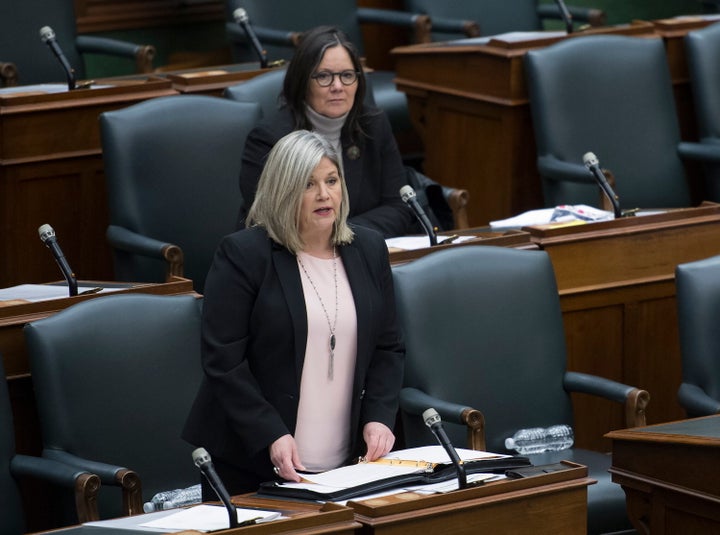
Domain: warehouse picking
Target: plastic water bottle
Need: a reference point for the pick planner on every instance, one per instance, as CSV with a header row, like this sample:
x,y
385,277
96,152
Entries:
x,y
540,439
171,499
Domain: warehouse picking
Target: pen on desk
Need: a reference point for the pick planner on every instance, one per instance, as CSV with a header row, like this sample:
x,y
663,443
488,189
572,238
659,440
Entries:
x,y
91,291
449,239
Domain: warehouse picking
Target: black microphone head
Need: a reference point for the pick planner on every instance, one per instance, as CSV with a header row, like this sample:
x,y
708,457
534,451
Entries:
x,y
240,15
407,193
47,34
431,417
46,232
200,457
589,159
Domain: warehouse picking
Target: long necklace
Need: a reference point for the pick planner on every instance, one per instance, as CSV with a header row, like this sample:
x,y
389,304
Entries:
x,y
332,325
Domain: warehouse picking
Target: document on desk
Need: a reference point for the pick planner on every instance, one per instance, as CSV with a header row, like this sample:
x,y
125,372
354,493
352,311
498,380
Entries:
x,y
410,243
397,470
208,518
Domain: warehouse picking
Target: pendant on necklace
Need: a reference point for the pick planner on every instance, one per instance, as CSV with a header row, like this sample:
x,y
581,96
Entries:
x,y
331,364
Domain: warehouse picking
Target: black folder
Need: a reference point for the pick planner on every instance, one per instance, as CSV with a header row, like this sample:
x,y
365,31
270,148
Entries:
x,y
436,474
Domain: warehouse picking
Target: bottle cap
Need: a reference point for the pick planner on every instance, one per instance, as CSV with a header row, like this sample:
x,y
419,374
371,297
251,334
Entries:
x,y
509,444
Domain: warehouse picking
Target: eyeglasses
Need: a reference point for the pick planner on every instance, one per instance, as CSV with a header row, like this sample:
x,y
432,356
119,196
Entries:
x,y
326,78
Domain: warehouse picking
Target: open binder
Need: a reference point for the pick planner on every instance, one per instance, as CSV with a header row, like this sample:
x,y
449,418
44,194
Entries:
x,y
415,466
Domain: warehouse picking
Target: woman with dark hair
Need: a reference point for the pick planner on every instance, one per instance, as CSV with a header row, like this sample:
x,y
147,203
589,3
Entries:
x,y
324,91
302,357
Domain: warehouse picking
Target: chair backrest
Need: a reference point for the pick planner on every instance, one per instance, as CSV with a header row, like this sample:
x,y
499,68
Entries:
x,y
294,16
483,327
698,300
172,166
11,509
114,380
20,43
264,89
492,16
703,58
611,95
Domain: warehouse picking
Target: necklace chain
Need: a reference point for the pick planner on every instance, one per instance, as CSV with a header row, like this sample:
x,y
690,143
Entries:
x,y
332,325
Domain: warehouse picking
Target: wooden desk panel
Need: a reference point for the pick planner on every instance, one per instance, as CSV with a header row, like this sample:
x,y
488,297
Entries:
x,y
547,504
669,474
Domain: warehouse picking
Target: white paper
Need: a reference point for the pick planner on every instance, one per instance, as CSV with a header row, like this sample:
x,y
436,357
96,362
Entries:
x,y
361,473
44,292
560,214
207,518
410,243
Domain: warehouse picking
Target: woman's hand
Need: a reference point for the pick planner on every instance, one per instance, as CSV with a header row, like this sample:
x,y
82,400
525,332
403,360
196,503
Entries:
x,y
379,439
285,459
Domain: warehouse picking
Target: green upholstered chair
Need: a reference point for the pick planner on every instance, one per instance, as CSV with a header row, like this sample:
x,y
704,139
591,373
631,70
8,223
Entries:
x,y
20,43
114,380
698,302
703,58
172,167
485,347
471,18
610,95
15,467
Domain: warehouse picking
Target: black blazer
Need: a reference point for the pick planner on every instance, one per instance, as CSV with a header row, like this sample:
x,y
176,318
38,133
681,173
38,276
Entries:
x,y
253,342
374,172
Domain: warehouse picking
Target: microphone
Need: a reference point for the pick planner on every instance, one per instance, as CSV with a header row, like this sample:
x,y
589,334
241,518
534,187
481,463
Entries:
x,y
565,14
241,17
432,420
48,37
591,162
202,460
47,236
408,196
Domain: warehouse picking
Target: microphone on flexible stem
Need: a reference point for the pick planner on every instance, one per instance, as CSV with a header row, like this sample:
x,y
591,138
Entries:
x,y
241,17
433,421
408,196
47,236
565,14
591,162
48,37
202,460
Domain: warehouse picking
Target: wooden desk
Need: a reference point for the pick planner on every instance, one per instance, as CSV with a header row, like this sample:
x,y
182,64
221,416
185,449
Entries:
x,y
470,105
616,281
669,475
51,171
546,504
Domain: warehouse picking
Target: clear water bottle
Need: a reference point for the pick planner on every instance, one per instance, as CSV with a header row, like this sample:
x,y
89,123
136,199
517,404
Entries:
x,y
171,499
540,439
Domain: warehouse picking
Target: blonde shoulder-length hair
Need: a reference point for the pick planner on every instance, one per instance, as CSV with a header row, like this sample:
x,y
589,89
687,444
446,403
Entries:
x,y
282,183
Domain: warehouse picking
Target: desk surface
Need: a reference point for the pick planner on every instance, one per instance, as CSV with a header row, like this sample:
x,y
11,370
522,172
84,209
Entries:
x,y
669,475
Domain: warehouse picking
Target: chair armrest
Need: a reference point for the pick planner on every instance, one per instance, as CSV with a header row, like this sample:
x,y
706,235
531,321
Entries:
x,y
142,54
84,484
414,401
126,240
634,399
590,15
458,199
554,169
462,27
116,476
707,151
419,23
8,74
696,402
